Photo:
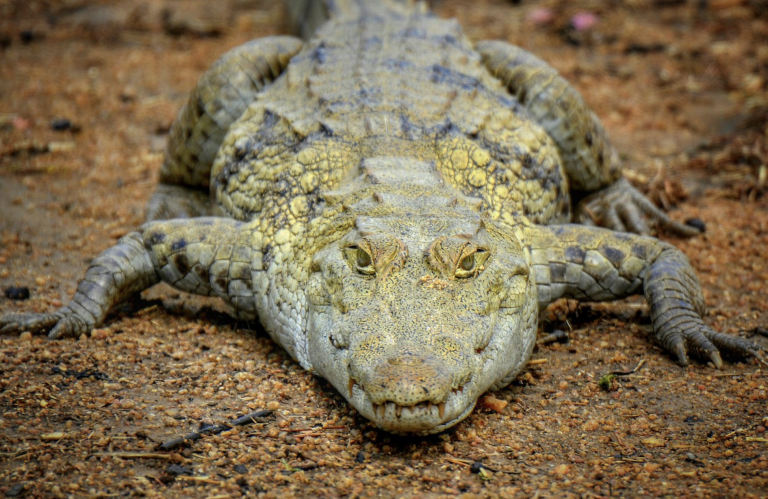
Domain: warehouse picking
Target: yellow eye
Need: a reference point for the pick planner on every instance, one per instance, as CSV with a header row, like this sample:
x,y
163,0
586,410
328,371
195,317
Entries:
x,y
363,258
468,263
472,264
360,260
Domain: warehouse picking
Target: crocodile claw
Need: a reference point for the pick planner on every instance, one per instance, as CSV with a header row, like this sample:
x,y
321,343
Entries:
x,y
623,208
33,323
69,326
705,343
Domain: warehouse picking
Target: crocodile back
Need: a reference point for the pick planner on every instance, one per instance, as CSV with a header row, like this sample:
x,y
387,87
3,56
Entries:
x,y
388,84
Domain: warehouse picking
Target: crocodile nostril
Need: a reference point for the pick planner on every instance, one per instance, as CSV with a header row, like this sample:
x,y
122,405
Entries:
x,y
338,341
408,380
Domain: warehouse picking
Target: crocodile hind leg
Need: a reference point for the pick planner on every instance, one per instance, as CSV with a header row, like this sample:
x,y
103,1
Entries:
x,y
622,207
593,264
205,256
589,159
221,95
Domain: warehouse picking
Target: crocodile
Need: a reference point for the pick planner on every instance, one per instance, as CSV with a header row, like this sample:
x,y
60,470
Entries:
x,y
396,205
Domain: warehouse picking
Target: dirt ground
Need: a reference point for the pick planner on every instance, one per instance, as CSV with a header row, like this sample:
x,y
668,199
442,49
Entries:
x,y
88,90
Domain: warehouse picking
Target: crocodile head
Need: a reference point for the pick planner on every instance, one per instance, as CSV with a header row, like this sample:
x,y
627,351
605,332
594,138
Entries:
x,y
418,310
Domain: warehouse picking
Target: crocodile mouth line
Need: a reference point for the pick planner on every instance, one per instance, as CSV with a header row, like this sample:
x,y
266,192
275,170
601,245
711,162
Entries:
x,y
405,413
381,409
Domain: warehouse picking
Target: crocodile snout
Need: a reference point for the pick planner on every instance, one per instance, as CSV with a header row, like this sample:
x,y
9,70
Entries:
x,y
407,379
410,385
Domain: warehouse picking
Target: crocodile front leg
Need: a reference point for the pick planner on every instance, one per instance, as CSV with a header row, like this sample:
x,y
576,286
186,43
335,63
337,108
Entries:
x,y
220,97
208,256
599,265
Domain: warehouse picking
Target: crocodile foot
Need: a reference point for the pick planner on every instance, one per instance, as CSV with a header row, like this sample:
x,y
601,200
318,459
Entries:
x,y
61,324
705,343
623,208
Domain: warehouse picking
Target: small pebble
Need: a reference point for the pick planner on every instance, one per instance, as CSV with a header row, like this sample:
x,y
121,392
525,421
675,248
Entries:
x,y
491,402
128,95
561,469
27,36
476,467
16,491
25,336
360,457
240,468
60,124
177,469
14,293
273,406
100,334
583,21
541,15
21,123
654,442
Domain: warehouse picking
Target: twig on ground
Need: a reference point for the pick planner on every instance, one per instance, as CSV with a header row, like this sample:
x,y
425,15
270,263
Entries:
x,y
213,430
633,371
134,455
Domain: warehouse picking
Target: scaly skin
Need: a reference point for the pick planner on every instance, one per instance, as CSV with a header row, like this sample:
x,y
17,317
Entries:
x,y
391,206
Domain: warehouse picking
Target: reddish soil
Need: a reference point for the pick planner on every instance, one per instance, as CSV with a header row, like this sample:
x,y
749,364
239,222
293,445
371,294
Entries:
x,y
682,87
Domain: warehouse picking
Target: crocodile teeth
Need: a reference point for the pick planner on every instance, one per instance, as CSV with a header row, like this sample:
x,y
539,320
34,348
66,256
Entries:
x,y
380,410
351,385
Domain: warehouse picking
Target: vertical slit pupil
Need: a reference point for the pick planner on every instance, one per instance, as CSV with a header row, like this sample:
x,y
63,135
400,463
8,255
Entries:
x,y
468,263
363,258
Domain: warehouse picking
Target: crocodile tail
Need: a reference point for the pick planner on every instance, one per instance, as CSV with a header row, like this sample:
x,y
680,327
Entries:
x,y
305,16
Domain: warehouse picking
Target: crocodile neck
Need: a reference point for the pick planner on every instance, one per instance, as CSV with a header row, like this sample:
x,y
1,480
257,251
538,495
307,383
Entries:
x,y
405,186
306,16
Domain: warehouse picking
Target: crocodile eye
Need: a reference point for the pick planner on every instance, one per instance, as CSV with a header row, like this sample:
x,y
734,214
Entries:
x,y
360,260
472,264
